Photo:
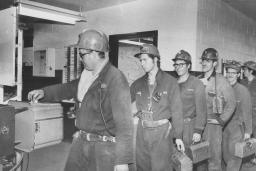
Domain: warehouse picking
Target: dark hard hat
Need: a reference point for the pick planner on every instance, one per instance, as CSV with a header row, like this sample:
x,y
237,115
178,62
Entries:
x,y
182,55
250,65
148,49
234,65
210,53
93,40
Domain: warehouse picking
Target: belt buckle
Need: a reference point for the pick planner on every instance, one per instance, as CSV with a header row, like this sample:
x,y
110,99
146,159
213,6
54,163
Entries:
x,y
88,137
147,115
108,139
142,123
187,120
104,138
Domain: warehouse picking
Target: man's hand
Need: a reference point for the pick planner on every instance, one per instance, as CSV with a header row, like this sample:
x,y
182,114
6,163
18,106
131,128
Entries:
x,y
196,137
121,167
180,145
213,121
247,136
35,95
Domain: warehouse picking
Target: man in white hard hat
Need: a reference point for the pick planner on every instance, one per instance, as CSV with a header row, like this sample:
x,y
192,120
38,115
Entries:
x,y
193,99
249,68
103,115
221,104
239,127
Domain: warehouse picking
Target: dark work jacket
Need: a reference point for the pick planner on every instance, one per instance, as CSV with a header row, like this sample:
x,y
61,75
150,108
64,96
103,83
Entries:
x,y
194,102
252,89
243,112
109,92
166,101
220,98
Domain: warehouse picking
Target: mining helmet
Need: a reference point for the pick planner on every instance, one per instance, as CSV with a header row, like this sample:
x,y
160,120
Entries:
x,y
148,49
234,65
93,40
182,55
210,53
250,65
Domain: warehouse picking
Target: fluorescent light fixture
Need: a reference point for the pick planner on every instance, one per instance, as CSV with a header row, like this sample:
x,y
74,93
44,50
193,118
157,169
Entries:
x,y
48,12
131,42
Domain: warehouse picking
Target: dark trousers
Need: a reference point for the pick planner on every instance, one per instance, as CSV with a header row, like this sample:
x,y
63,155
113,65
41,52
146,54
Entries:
x,y
153,149
232,134
213,133
90,156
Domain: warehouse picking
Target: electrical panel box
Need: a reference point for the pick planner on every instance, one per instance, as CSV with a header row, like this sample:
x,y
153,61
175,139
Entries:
x,y
73,67
44,63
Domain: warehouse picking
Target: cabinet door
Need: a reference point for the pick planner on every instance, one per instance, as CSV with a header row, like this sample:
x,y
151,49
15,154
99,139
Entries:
x,y
8,20
48,132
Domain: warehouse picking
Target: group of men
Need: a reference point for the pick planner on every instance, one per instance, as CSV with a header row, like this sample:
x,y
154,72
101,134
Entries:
x,y
173,112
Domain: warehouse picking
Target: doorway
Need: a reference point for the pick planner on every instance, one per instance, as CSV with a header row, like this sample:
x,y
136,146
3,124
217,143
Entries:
x,y
123,47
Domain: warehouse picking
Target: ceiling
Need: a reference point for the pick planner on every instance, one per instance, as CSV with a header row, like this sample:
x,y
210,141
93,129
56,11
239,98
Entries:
x,y
248,7
82,5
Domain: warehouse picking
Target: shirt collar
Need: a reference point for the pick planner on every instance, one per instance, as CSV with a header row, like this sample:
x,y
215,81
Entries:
x,y
153,73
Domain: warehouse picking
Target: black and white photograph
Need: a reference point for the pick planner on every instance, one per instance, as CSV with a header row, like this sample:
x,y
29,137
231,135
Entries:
x,y
128,85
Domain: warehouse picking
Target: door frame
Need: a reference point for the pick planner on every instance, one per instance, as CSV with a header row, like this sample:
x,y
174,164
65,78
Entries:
x,y
114,42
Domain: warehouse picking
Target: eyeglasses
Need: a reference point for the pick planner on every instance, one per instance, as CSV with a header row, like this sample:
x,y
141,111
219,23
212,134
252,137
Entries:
x,y
179,65
206,60
81,54
231,73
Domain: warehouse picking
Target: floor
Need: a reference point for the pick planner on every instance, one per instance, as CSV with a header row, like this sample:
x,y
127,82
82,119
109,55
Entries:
x,y
53,158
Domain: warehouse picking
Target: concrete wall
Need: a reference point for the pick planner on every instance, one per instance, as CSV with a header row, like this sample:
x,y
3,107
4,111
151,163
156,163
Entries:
x,y
191,26
229,31
175,20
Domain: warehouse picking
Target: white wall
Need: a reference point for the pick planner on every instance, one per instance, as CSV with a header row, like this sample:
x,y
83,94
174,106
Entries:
x,y
229,31
175,20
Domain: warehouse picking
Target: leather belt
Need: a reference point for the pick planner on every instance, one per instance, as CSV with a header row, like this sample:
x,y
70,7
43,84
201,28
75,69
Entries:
x,y
153,124
213,115
94,137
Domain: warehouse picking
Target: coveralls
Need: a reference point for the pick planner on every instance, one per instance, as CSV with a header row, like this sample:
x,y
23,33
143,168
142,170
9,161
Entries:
x,y
108,98
221,104
194,108
154,145
252,89
240,123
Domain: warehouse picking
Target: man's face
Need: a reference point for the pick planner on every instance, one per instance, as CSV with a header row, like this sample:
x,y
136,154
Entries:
x,y
247,72
89,58
232,75
181,67
147,62
208,65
